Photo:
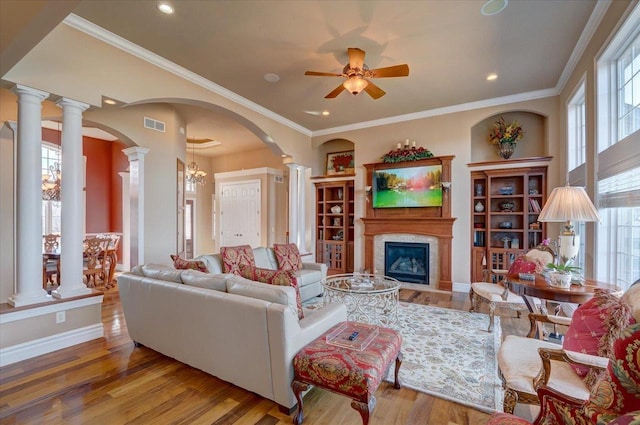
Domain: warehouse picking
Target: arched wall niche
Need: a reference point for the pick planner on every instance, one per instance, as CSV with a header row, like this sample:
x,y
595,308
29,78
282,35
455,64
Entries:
x,y
532,144
330,146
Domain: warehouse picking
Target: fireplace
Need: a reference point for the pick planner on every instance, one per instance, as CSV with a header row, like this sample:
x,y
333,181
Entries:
x,y
407,262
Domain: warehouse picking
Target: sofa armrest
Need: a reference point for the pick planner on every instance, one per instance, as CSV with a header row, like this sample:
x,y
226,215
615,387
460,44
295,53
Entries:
x,y
287,336
316,266
573,357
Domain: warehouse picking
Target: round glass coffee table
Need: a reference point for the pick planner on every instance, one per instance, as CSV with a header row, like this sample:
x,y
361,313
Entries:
x,y
369,298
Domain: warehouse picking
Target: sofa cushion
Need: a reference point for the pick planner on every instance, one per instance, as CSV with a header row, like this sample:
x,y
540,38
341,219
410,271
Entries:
x,y
234,256
205,280
274,277
284,295
288,256
182,264
161,272
594,327
265,258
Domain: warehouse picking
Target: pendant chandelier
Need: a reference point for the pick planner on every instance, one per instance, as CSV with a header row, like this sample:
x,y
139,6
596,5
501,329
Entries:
x,y
51,181
194,174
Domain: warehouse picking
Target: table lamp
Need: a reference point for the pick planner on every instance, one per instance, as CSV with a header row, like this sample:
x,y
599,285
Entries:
x,y
567,204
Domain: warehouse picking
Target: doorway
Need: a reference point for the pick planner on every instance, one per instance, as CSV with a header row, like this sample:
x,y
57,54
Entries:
x,y
240,213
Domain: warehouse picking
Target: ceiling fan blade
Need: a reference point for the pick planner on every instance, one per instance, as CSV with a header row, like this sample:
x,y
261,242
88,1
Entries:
x,y
374,91
356,57
322,74
335,92
391,71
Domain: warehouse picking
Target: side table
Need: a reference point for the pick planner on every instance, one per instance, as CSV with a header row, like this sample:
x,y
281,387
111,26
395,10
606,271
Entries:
x,y
352,372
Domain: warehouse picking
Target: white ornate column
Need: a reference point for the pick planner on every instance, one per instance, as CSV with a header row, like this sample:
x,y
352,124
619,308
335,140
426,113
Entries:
x,y
301,209
72,201
293,203
136,192
29,272
126,222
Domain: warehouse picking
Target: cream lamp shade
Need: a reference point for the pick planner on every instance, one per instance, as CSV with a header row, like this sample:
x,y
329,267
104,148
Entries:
x,y
355,84
566,205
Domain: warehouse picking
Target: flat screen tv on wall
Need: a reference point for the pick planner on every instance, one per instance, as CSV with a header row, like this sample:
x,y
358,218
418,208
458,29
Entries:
x,y
407,187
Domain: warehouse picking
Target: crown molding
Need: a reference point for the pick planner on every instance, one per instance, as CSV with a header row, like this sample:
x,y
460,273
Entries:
x,y
598,13
99,33
520,97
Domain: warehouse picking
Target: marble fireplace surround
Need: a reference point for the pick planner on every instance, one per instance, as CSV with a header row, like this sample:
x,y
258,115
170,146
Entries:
x,y
436,231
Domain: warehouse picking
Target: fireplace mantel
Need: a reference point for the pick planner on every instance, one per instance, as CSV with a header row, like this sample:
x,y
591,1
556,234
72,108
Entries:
x,y
425,221
439,227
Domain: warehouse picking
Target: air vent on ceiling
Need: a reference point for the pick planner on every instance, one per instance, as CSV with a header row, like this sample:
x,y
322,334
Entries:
x,y
153,124
278,179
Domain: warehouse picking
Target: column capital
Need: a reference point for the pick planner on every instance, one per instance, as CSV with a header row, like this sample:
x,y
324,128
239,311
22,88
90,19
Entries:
x,y
19,89
66,102
292,165
135,152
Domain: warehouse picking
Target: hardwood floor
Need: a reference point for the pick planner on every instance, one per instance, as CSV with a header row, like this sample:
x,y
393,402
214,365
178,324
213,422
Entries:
x,y
109,381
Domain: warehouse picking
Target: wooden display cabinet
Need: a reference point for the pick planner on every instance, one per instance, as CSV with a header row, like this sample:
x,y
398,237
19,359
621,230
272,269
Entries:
x,y
505,204
334,225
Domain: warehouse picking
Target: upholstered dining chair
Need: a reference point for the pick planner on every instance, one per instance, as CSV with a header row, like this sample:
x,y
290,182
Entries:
x,y
614,398
526,363
498,296
94,259
50,266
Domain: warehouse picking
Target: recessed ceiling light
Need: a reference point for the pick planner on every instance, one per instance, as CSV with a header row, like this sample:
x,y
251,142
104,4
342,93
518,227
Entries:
x,y
110,101
272,78
493,7
325,113
492,76
165,8
284,155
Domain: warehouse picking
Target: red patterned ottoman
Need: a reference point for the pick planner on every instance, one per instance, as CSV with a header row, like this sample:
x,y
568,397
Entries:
x,y
353,372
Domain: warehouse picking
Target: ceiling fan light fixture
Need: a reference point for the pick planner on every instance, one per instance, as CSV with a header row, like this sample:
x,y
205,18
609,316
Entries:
x,y
355,85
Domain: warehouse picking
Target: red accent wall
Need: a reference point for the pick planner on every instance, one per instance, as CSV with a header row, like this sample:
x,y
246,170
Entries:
x,y
104,185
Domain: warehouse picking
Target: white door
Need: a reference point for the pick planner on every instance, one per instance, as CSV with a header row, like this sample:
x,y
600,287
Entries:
x,y
240,213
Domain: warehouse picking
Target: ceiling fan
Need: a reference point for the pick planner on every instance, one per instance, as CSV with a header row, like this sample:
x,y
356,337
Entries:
x,y
357,75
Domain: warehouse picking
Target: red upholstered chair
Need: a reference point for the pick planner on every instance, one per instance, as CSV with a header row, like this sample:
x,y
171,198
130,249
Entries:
x,y
614,399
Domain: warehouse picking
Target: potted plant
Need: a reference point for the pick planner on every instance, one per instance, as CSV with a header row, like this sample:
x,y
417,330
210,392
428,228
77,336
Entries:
x,y
561,274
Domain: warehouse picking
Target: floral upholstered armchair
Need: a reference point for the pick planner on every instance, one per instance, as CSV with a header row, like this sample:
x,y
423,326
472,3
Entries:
x,y
615,398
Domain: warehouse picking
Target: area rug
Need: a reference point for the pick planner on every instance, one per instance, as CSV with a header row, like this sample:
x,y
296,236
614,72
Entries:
x,y
449,354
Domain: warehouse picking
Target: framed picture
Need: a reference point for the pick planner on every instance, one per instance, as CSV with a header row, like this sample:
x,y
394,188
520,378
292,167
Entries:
x,y
340,162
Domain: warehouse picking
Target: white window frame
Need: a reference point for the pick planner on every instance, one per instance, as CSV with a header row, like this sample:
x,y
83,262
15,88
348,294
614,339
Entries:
x,y
48,207
576,127
617,171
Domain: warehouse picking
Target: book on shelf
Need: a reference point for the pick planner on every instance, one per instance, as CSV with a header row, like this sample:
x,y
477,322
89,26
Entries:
x,y
534,205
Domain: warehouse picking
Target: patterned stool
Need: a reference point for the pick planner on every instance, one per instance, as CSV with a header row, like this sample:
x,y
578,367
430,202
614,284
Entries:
x,y
350,372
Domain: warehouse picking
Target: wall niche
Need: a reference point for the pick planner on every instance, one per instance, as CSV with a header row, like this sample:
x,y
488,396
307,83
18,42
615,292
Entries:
x,y
531,145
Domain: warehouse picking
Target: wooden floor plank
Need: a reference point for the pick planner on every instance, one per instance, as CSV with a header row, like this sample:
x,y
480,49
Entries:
x,y
109,381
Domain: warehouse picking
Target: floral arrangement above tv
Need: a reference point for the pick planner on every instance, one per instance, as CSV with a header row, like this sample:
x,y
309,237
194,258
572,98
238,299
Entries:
x,y
407,187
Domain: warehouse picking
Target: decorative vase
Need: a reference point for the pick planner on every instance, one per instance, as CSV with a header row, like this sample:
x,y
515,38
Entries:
x,y
560,280
479,207
506,150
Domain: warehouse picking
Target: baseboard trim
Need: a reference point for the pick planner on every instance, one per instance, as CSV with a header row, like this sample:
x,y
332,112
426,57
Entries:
x,y
38,347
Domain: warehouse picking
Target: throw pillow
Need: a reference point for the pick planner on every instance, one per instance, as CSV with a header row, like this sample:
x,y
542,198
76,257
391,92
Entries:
x,y
521,265
182,264
288,256
595,325
274,277
234,256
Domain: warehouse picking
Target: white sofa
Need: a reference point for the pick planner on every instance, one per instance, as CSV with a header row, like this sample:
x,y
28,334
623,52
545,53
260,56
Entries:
x,y
238,330
309,277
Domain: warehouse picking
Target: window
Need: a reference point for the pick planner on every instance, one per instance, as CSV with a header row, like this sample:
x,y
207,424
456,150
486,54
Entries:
x,y
51,217
576,127
618,164
628,85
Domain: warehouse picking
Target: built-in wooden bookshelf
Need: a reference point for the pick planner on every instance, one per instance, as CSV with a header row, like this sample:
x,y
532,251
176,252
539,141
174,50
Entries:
x,y
505,204
334,224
